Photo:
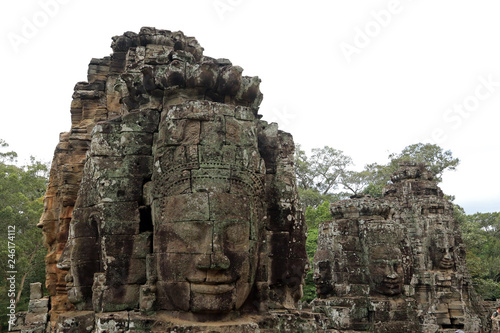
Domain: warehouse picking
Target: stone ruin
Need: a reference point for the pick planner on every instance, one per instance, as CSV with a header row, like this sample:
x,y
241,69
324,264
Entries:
x,y
170,198
172,207
396,263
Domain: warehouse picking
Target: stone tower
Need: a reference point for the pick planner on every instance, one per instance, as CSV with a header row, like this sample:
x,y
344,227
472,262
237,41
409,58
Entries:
x,y
396,263
169,195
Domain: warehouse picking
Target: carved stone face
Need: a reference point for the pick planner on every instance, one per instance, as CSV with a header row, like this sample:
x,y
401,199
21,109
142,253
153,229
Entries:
x,y
323,278
446,261
386,270
206,247
442,252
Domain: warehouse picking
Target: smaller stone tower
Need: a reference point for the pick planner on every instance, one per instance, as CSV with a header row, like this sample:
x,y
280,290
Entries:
x,y
396,263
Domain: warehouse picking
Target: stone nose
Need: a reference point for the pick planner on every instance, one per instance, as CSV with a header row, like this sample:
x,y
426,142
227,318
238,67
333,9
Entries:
x,y
391,272
216,260
219,261
447,255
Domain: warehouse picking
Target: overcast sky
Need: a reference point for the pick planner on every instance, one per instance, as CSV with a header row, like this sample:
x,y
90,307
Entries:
x,y
365,77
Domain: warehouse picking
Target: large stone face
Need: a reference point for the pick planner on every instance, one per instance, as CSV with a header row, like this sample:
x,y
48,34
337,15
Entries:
x,y
169,194
397,263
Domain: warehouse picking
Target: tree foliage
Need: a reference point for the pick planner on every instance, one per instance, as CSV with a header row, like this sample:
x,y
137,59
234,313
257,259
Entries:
x,y
21,192
7,156
314,216
482,240
313,198
311,245
368,181
437,159
326,174
321,171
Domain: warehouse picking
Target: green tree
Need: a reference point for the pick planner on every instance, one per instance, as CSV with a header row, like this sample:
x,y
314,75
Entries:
x,y
313,198
482,241
314,217
379,175
311,245
303,169
370,180
322,171
7,156
319,175
434,156
21,192
489,222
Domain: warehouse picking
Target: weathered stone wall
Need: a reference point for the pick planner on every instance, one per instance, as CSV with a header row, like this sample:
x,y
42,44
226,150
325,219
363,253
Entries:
x,y
396,264
89,106
36,318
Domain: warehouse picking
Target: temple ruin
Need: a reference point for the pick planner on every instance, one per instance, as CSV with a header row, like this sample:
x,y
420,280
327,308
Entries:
x,y
169,194
396,263
172,206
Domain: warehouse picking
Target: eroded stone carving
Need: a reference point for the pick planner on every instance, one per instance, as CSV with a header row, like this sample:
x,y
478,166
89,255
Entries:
x,y
171,204
184,201
396,264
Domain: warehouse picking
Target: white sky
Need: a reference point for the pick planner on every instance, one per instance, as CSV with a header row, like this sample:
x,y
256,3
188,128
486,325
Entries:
x,y
386,90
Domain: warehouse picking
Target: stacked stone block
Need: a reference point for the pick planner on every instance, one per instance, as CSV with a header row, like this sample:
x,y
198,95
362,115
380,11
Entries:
x,y
36,318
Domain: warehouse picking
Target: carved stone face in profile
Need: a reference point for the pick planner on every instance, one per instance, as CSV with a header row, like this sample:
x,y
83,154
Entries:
x,y
206,248
386,270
